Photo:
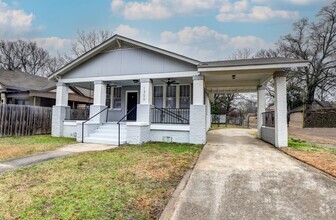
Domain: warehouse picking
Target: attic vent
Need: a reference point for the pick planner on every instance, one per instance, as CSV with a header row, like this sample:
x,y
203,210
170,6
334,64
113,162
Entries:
x,y
121,45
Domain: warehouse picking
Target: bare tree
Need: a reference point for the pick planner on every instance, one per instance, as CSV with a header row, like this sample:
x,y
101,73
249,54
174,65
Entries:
x,y
245,53
86,40
24,56
315,42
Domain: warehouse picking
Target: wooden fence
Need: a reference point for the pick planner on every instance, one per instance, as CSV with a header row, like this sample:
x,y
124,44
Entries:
x,y
21,120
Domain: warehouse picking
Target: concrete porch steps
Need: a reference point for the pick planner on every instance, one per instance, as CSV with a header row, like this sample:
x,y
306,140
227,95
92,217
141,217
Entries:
x,y
108,134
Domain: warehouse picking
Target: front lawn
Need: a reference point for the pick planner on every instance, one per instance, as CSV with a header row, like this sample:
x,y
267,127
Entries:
x,y
11,147
131,182
321,157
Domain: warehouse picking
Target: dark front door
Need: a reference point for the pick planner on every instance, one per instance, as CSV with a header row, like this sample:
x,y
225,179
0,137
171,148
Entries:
x,y
132,101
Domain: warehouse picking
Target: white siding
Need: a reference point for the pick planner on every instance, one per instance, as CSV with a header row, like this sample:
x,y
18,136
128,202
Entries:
x,y
128,62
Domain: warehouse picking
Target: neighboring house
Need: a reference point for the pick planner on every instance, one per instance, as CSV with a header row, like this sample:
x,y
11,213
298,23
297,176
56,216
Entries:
x,y
158,95
26,89
296,114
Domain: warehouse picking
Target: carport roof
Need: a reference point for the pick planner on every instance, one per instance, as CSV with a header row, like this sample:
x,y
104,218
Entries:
x,y
251,62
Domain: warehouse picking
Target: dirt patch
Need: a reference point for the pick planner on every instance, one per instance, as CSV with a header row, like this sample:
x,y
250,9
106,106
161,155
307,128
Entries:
x,y
321,160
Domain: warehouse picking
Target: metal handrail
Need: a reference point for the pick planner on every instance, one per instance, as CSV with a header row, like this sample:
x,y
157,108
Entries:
x,y
92,118
178,117
121,120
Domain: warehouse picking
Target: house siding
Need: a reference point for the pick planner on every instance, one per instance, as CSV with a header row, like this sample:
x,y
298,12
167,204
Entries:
x,y
128,62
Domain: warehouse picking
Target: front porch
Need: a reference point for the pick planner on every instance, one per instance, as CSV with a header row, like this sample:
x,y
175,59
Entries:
x,y
134,111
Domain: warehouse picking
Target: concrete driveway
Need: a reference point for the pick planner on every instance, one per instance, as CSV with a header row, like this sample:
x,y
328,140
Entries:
x,y
240,177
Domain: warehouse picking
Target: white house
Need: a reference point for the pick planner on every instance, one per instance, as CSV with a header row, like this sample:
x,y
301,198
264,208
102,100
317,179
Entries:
x,y
158,95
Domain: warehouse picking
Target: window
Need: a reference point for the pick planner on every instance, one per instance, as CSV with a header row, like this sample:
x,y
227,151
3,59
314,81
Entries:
x,y
116,98
108,96
158,96
185,96
171,97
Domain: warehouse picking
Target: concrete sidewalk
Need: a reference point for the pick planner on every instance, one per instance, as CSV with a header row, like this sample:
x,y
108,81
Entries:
x,y
61,152
240,177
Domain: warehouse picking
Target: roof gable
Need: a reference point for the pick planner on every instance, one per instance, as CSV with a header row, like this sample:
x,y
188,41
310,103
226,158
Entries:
x,y
115,43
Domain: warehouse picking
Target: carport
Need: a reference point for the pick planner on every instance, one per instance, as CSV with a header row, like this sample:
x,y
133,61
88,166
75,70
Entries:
x,y
252,75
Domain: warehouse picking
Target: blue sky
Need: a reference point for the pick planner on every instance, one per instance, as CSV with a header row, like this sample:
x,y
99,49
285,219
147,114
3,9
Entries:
x,y
202,29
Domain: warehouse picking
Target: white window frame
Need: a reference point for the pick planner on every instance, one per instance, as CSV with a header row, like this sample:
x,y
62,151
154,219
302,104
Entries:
x,y
164,85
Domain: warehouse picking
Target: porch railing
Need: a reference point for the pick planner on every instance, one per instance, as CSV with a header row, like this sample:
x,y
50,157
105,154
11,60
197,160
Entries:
x,y
170,116
268,119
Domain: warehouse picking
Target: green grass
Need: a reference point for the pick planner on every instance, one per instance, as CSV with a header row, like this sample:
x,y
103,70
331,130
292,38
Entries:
x,y
301,145
11,147
132,182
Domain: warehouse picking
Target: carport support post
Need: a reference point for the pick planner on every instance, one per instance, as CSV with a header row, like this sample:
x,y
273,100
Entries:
x,y
261,107
60,110
99,102
198,112
280,104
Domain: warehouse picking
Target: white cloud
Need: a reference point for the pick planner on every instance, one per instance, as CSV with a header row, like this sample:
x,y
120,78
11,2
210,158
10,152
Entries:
x,y
127,31
241,11
159,9
53,44
303,2
241,42
204,43
190,35
14,22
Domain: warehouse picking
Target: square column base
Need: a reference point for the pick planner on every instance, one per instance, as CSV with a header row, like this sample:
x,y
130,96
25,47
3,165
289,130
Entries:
x,y
144,113
59,114
197,124
101,118
138,132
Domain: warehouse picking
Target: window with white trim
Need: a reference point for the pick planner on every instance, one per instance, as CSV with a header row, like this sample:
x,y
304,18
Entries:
x,y
158,96
108,95
171,97
184,96
116,101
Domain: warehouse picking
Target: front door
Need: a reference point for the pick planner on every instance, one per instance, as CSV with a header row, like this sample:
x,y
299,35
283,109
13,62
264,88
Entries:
x,y
132,101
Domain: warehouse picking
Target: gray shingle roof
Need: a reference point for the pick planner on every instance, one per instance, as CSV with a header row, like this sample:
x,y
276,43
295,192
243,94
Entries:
x,y
250,62
24,81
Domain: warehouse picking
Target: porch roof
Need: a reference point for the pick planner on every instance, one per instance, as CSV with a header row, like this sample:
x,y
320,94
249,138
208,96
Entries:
x,y
243,75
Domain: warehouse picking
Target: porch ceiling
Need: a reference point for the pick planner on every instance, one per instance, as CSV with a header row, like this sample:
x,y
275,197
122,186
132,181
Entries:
x,y
236,81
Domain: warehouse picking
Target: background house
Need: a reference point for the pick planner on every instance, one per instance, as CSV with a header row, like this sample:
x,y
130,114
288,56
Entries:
x,y
323,108
25,89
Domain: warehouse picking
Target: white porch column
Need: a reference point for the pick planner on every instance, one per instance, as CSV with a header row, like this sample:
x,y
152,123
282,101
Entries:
x,y
146,101
99,102
198,113
280,104
99,97
60,110
62,94
146,92
198,90
261,107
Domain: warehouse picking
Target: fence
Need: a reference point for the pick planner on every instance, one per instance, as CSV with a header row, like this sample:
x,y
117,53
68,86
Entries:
x,y
323,118
21,120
